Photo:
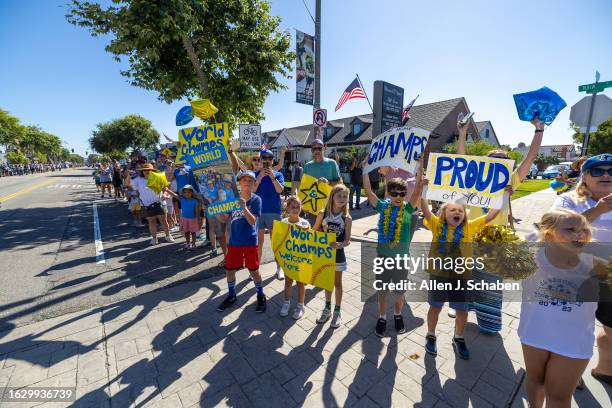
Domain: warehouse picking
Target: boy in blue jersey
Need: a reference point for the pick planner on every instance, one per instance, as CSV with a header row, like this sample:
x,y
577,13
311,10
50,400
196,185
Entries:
x,y
242,249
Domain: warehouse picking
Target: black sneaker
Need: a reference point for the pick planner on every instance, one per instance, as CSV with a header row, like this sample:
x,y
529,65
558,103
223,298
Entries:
x,y
461,348
261,304
381,327
227,302
430,346
399,324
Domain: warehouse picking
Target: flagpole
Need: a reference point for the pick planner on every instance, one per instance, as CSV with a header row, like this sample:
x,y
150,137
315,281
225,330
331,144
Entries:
x,y
364,92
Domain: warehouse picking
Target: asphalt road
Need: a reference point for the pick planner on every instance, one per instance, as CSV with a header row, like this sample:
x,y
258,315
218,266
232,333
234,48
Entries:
x,y
48,263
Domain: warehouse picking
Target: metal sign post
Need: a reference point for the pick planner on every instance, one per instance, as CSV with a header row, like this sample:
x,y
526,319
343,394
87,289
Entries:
x,y
593,88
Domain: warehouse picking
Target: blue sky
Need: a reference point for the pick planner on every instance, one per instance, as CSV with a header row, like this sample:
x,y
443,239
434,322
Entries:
x,y
59,77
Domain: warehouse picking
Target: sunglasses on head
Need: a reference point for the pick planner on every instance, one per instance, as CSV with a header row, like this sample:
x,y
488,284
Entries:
x,y
397,194
267,157
598,171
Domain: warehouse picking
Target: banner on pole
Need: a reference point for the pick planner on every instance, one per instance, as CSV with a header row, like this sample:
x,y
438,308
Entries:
x,y
201,146
250,136
471,180
313,194
399,147
304,254
305,68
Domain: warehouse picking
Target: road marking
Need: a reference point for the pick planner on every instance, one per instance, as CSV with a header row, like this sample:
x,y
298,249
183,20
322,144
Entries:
x,y
25,190
98,237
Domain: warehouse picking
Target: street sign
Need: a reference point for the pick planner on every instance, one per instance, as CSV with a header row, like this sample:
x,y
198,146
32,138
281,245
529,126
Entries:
x,y
595,87
602,111
250,136
319,117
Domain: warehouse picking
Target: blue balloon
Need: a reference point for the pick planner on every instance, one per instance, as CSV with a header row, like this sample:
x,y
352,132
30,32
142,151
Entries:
x,y
557,185
184,116
544,103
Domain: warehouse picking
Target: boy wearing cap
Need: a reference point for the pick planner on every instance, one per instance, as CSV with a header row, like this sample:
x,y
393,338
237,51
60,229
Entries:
x,y
269,185
242,250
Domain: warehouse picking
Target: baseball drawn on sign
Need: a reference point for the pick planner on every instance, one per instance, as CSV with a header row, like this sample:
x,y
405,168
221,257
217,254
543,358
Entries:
x,y
319,117
250,136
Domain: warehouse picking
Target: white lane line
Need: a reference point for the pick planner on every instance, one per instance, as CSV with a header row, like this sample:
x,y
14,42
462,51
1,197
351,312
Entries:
x,y
98,237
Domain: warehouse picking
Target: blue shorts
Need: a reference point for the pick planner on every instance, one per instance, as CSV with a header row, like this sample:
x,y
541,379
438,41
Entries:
x,y
457,299
267,220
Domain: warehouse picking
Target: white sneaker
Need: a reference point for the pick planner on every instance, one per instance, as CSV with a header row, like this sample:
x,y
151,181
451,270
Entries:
x,y
336,320
153,241
174,229
452,313
298,312
284,312
325,315
280,275
169,238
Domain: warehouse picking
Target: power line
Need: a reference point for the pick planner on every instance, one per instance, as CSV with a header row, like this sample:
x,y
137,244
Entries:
x,y
308,10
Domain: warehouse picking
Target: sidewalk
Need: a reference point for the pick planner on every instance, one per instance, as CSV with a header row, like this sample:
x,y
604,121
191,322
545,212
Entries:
x,y
171,348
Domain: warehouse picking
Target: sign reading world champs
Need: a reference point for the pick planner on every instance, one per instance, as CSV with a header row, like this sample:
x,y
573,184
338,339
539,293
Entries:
x,y
471,180
399,147
201,146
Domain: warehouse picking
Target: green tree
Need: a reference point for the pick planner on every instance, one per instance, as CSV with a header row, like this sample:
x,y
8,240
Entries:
x,y
75,158
34,140
545,161
130,132
355,152
16,157
10,129
516,156
226,50
599,141
477,148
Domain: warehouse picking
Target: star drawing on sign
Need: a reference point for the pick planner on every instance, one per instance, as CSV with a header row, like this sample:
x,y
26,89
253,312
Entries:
x,y
313,195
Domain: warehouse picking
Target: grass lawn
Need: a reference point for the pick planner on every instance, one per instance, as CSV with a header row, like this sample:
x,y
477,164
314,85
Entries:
x,y
530,186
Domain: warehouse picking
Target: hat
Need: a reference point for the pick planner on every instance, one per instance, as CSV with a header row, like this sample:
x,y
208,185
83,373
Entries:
x,y
317,142
188,187
265,152
243,173
599,160
146,166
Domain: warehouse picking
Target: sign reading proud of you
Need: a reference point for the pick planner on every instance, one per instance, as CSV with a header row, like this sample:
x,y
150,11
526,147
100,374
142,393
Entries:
x,y
471,180
399,147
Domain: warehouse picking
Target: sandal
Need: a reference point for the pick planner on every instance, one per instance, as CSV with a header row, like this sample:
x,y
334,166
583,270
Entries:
x,y
607,379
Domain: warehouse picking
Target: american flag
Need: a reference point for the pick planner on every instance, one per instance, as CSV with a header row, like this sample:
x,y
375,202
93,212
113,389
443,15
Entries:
x,y
353,91
405,115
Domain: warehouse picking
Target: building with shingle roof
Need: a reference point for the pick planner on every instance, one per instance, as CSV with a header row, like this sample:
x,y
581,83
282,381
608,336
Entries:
x,y
439,118
487,133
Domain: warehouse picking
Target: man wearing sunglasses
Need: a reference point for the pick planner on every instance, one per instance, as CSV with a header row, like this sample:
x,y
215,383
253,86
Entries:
x,y
269,185
320,167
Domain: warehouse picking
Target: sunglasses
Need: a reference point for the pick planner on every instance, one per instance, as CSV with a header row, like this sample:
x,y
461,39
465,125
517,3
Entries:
x,y
397,194
314,149
598,171
267,157
255,159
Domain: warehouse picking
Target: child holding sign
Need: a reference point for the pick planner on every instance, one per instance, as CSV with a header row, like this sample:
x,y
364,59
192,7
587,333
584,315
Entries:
x,y
452,238
393,239
335,218
294,208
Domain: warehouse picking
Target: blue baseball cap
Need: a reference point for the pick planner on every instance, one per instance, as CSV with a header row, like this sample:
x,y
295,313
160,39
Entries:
x,y
243,173
599,160
265,152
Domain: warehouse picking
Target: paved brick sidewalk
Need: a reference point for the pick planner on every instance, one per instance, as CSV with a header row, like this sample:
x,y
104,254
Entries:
x,y
171,348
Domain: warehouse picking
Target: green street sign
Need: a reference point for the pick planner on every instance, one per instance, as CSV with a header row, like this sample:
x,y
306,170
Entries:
x,y
595,87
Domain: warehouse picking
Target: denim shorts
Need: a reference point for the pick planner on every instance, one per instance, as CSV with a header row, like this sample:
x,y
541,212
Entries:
x,y
267,220
457,299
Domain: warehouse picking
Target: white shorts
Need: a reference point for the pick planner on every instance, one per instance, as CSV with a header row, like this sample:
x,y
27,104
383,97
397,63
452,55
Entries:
x,y
170,206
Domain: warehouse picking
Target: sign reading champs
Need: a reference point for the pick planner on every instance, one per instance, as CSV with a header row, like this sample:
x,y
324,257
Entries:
x,y
471,180
399,147
202,146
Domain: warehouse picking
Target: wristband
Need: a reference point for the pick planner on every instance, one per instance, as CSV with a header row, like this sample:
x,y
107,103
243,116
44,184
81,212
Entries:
x,y
539,131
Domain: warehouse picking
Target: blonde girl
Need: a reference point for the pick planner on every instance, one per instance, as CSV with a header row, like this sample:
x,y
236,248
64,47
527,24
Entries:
x,y
557,324
452,234
336,218
294,208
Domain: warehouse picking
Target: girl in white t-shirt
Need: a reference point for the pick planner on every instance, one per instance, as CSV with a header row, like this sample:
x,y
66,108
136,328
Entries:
x,y
557,324
294,208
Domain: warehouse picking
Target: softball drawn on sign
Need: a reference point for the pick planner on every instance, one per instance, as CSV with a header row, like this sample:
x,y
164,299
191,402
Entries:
x,y
319,117
250,136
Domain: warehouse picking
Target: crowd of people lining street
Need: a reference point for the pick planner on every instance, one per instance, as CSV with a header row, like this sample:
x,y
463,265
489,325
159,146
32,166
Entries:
x,y
8,169
557,342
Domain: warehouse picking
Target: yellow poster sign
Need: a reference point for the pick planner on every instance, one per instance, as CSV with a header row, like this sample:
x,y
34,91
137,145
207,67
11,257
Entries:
x,y
201,146
203,108
304,254
313,194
